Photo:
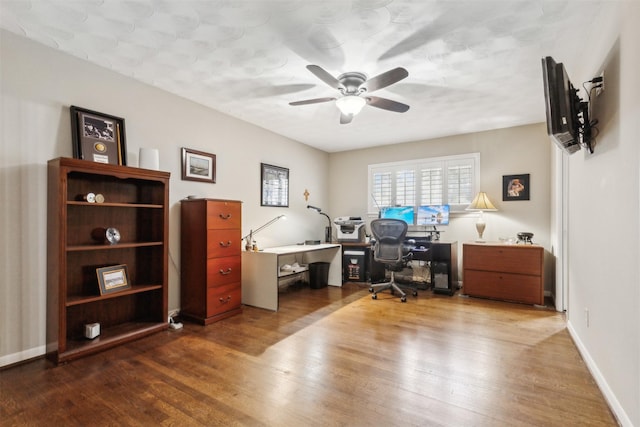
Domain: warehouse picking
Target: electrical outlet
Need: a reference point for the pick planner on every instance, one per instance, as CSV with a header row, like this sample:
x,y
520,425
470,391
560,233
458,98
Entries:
x,y
600,89
586,316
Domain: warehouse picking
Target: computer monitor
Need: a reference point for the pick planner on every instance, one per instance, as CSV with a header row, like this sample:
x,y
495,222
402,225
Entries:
x,y
433,215
404,213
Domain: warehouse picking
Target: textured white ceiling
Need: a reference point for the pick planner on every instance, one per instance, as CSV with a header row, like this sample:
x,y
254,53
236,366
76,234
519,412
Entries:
x,y
473,65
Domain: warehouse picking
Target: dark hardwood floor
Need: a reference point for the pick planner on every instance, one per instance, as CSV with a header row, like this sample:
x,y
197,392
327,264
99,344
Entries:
x,y
329,357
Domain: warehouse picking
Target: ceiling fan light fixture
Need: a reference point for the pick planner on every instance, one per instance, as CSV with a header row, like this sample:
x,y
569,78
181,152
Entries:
x,y
352,86
350,104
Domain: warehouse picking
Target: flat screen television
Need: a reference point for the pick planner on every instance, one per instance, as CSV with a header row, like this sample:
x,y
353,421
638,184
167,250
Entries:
x,y
563,106
433,215
404,213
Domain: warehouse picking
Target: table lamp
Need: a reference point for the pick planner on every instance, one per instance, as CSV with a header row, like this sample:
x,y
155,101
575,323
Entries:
x,y
327,231
249,237
481,203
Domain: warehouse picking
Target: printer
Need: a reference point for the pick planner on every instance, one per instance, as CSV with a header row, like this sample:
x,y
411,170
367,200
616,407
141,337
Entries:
x,y
350,228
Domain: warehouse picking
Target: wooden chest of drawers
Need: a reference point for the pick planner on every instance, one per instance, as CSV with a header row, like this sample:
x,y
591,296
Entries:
x,y
210,273
505,272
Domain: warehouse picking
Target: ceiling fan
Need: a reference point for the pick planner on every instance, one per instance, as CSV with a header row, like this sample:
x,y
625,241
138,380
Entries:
x,y
355,87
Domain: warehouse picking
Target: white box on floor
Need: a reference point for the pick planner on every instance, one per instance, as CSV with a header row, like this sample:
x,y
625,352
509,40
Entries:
x,y
91,330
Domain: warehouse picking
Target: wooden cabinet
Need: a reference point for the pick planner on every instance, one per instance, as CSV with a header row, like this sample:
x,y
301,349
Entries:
x,y
135,202
506,272
210,274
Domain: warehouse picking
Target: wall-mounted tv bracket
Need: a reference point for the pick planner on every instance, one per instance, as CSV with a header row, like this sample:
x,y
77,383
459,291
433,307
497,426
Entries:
x,y
586,137
586,126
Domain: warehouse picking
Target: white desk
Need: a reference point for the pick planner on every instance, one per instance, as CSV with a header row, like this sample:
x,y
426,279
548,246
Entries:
x,y
260,270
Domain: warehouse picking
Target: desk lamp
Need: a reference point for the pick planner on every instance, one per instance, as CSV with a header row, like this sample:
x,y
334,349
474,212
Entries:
x,y
249,237
327,231
481,203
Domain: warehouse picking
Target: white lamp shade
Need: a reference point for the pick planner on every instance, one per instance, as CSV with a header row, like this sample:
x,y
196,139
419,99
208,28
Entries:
x,y
481,203
149,158
350,104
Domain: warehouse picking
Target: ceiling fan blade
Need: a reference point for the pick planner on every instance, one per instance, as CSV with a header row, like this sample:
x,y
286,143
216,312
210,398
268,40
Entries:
x,y
386,79
387,104
324,76
312,101
345,119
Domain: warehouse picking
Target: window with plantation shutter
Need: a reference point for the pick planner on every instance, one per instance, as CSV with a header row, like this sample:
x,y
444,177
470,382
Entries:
x,y
452,180
405,187
460,184
381,190
431,185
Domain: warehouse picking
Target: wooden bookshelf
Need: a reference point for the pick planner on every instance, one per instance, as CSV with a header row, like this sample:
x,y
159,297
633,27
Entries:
x,y
136,203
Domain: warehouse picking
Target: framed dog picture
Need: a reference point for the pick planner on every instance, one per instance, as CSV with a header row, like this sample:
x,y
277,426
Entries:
x,y
515,187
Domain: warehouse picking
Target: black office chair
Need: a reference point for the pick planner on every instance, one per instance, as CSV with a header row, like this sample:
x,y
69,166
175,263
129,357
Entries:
x,y
389,237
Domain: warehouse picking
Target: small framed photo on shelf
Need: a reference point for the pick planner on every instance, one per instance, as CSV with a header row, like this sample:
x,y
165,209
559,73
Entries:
x,y
113,278
515,187
198,166
98,137
275,186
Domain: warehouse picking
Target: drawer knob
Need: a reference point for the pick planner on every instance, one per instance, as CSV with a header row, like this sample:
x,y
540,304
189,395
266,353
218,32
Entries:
x,y
225,245
224,301
224,273
224,216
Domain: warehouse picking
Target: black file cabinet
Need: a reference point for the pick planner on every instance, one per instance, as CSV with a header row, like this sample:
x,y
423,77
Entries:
x,y
444,267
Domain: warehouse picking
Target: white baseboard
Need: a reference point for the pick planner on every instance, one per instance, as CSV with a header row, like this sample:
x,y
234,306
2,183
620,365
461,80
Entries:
x,y
610,397
21,356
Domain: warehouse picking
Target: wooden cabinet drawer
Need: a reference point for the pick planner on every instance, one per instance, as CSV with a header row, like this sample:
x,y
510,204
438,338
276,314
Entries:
x,y
505,286
223,243
223,298
223,215
225,270
511,259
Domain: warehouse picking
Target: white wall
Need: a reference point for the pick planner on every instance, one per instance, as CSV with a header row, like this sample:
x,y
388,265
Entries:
x,y
512,151
604,231
38,86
